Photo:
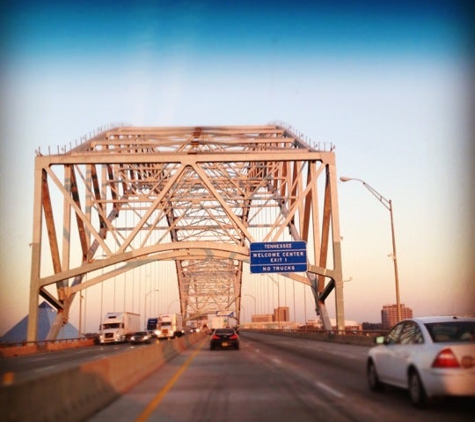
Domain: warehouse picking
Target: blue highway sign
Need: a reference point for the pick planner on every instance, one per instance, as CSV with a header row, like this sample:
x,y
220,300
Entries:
x,y
278,257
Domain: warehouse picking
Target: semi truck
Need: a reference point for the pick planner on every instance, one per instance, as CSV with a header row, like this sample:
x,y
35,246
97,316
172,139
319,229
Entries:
x,y
153,325
117,327
168,326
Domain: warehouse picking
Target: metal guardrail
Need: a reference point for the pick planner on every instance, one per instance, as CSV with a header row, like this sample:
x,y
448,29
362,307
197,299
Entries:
x,y
4,345
82,139
354,337
360,333
327,146
31,347
25,347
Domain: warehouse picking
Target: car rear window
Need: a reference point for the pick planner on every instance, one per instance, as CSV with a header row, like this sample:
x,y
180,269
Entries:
x,y
224,331
452,331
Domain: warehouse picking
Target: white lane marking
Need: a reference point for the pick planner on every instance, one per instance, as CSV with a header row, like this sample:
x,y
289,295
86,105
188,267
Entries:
x,y
329,390
44,368
39,358
350,354
277,361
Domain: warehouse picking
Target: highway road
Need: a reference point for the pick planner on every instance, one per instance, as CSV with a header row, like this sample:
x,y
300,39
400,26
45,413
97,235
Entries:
x,y
271,378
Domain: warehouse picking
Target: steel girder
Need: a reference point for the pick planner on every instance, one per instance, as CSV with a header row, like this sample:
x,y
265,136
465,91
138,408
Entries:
x,y
195,195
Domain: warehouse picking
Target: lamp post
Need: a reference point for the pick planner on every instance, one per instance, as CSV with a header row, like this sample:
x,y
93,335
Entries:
x,y
255,304
80,313
145,302
278,299
170,304
388,205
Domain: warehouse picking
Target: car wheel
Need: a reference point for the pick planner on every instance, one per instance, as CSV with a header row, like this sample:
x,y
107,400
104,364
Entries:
x,y
236,347
416,389
373,378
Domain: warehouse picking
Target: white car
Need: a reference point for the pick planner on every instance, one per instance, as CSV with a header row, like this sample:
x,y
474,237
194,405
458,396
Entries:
x,y
430,357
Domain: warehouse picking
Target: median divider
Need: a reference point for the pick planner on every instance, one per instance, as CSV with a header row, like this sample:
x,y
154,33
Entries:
x,y
77,393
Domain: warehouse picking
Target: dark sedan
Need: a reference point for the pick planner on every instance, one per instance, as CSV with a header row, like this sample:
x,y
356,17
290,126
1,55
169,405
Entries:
x,y
141,337
224,338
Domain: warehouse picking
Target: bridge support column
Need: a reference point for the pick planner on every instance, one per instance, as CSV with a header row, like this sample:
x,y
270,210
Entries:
x,y
32,330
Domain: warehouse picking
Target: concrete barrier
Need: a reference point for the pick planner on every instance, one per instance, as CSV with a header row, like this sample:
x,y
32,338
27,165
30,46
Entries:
x,y
77,393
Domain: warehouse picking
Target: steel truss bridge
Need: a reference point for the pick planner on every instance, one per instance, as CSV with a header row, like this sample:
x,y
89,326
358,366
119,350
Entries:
x,y
197,196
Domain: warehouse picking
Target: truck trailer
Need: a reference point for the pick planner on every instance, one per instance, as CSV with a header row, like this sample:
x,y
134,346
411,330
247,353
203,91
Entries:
x,y
222,321
169,326
117,327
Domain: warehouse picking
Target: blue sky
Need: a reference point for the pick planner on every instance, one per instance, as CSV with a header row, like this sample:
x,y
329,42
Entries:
x,y
387,82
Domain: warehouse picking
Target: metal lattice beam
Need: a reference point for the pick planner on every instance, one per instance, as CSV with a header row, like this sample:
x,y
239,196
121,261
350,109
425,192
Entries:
x,y
195,195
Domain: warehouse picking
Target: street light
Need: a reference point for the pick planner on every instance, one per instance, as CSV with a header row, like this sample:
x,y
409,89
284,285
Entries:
x,y
389,205
145,302
255,304
278,299
80,313
170,304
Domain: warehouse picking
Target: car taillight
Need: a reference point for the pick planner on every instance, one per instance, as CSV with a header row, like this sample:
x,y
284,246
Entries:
x,y
234,337
445,359
215,337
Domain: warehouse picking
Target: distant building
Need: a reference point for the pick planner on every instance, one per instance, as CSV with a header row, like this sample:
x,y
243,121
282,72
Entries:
x,y
281,314
262,318
349,324
389,315
372,326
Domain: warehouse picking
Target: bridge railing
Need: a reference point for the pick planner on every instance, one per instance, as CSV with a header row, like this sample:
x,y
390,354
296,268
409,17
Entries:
x,y
22,348
355,337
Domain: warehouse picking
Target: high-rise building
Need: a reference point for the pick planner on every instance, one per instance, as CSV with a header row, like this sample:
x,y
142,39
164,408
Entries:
x,y
389,315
